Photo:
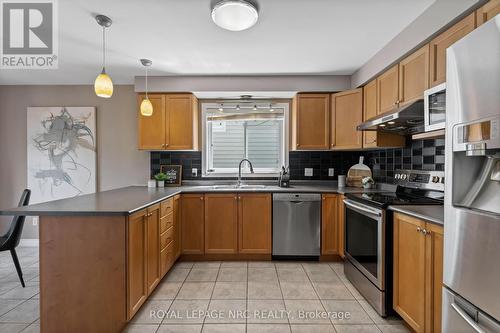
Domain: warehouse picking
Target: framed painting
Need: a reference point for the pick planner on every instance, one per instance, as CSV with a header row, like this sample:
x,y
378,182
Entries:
x,y
62,152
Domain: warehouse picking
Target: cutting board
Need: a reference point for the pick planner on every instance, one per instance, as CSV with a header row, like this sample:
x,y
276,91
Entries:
x,y
357,172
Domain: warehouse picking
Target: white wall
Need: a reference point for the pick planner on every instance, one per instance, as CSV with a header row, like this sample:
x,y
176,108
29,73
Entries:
x,y
119,163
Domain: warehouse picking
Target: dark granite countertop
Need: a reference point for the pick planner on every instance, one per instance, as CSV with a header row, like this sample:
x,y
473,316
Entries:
x,y
431,213
127,200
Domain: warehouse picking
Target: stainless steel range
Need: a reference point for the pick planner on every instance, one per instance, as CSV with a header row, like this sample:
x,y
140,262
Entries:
x,y
368,232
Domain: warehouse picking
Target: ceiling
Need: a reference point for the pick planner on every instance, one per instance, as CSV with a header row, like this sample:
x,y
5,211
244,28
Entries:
x,y
324,37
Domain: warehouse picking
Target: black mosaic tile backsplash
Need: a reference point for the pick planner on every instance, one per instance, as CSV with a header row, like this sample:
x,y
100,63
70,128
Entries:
x,y
418,155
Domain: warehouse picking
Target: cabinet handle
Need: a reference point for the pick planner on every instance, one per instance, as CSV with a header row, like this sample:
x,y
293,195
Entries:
x,y
235,198
201,198
425,232
166,144
419,229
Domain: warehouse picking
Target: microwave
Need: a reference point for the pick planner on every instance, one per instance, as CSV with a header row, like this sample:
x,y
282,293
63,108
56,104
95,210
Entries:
x,y
435,108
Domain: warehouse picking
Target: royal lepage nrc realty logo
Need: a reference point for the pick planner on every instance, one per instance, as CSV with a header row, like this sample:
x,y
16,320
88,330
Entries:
x,y
29,34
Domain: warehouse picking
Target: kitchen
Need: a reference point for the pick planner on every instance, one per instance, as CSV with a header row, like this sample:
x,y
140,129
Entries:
x,y
253,192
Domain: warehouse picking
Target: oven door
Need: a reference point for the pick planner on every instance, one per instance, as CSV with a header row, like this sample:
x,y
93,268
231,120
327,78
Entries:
x,y
435,108
365,240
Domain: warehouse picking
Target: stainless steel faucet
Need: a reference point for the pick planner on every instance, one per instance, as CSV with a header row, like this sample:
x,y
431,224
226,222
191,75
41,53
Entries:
x,y
239,169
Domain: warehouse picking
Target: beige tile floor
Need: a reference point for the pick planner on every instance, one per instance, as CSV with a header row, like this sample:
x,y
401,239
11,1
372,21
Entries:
x,y
220,297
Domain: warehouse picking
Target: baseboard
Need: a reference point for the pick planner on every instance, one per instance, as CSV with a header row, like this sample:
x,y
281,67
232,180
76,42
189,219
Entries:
x,y
29,242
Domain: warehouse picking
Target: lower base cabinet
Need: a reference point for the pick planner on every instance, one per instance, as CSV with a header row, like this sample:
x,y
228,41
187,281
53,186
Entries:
x,y
418,272
329,224
254,223
221,223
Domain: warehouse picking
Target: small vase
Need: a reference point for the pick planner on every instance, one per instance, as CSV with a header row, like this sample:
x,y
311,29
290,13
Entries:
x,y
151,183
160,183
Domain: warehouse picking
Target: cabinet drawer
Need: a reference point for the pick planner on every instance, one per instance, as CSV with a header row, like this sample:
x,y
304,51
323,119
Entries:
x,y
166,259
166,206
166,237
166,222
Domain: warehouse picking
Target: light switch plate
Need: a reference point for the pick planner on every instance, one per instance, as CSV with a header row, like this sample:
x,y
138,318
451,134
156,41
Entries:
x,y
35,220
331,172
308,172
194,172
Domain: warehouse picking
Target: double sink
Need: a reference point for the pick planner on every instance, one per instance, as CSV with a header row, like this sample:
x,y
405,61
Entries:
x,y
234,187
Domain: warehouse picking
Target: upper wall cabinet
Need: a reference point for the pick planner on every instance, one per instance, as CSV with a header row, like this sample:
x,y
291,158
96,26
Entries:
x,y
347,113
487,11
439,45
173,125
376,139
388,90
310,122
414,75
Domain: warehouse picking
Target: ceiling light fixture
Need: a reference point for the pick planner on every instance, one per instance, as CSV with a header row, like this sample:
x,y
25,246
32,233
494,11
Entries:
x,y
221,107
146,106
238,107
255,107
234,15
103,86
271,109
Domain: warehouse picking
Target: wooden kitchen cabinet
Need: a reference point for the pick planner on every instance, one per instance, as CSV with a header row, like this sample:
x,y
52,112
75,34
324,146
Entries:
x,y
418,272
153,247
487,11
254,223
346,115
329,224
173,124
151,131
221,223
414,75
439,45
193,224
388,90
376,139
177,227
137,284
310,122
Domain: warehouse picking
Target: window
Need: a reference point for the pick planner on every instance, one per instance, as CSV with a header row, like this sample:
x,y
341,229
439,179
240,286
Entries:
x,y
232,132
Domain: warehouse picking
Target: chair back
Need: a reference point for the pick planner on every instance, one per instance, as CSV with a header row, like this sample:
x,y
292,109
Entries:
x,y
13,235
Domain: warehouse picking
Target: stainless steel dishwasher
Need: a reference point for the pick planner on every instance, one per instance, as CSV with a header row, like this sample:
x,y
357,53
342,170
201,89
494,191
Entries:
x,y
296,225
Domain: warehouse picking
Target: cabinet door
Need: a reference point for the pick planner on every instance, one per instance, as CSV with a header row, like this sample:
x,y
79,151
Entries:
x,y
409,270
177,227
414,75
193,222
310,122
329,224
370,111
487,11
153,245
341,226
347,113
254,223
439,45
434,277
388,90
136,262
180,121
221,223
151,132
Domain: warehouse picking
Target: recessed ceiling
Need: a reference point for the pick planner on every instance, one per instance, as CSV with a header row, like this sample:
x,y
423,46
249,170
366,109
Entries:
x,y
291,37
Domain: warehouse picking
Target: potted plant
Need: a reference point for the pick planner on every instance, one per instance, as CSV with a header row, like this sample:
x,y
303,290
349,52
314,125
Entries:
x,y
367,182
160,179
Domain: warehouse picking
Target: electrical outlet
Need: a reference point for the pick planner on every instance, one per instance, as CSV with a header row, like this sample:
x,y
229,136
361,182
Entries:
x,y
35,220
331,172
194,172
308,172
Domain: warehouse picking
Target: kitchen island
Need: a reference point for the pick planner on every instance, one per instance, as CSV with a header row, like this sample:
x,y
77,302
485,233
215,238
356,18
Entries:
x,y
103,254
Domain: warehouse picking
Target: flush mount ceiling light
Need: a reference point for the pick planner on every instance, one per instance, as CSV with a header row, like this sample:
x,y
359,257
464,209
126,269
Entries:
x,y
103,86
146,106
234,15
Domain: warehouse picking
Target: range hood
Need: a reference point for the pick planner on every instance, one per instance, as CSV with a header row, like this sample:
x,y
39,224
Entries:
x,y
405,119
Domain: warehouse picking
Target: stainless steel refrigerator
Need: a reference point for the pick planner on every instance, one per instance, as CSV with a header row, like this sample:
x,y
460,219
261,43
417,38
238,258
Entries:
x,y
471,293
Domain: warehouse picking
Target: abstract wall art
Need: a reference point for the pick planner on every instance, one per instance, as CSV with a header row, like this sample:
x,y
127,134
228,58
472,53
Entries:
x,y
61,152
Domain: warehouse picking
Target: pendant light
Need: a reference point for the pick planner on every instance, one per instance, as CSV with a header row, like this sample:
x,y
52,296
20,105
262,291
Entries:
x,y
103,85
146,106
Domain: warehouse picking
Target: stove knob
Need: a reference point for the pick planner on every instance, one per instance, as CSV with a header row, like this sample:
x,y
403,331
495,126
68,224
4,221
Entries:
x,y
397,176
403,176
435,179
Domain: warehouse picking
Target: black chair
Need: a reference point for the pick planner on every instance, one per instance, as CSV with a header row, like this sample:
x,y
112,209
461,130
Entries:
x,y
10,240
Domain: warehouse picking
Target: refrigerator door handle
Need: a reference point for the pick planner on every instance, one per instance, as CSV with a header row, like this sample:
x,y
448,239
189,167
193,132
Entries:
x,y
467,318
